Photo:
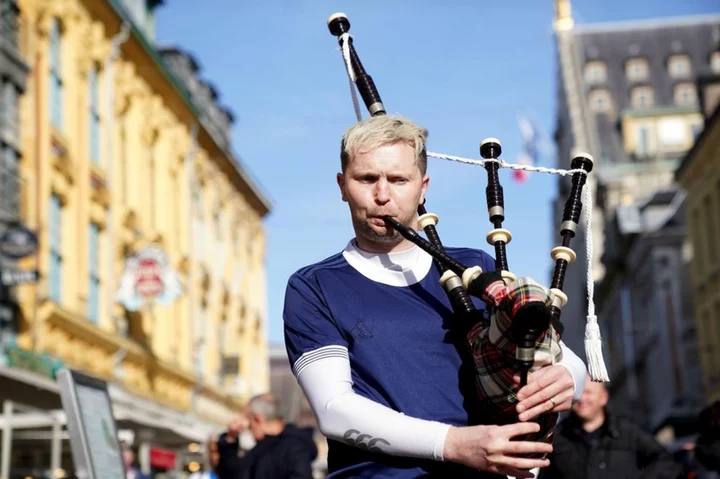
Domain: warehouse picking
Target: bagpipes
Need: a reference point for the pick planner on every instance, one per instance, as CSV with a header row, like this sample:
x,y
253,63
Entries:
x,y
524,328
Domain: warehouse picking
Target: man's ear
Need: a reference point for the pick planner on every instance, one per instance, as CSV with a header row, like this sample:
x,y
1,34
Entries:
x,y
425,184
341,185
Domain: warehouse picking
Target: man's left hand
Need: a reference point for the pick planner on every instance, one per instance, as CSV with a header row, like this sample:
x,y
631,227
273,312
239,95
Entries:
x,y
549,389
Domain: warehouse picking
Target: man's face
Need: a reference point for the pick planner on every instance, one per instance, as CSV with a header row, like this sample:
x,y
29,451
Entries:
x,y
383,182
592,402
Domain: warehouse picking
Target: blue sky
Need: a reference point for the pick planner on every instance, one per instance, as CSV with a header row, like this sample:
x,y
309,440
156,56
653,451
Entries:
x,y
464,69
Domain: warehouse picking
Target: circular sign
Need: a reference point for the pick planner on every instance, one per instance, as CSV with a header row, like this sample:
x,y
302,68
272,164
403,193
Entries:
x,y
18,242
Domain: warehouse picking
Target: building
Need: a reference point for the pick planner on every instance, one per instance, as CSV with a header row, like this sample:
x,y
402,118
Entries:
x,y
699,174
152,247
15,239
627,94
645,300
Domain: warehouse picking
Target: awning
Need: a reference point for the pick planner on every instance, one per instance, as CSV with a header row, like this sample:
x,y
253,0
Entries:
x,y
127,407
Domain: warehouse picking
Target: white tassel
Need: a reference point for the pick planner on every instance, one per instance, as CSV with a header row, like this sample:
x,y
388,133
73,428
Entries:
x,y
593,341
593,351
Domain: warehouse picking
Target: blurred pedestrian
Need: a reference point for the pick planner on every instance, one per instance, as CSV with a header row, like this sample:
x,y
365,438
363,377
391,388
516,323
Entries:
x,y
282,451
591,443
707,449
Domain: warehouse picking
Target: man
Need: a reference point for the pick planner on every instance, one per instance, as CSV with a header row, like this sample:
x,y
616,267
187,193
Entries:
x,y
282,451
131,470
593,444
368,334
707,449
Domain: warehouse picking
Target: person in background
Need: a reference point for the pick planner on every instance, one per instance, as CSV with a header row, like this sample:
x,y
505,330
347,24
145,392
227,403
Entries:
x,y
132,471
282,451
707,447
591,443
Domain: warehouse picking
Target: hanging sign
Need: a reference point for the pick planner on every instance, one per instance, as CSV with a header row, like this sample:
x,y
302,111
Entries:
x,y
18,242
148,279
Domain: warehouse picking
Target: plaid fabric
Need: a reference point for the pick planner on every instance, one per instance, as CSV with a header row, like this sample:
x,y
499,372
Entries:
x,y
493,351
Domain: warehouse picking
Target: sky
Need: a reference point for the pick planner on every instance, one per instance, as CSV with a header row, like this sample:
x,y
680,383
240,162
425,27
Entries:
x,y
463,69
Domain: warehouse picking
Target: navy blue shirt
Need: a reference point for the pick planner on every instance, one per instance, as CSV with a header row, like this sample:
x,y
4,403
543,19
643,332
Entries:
x,y
403,352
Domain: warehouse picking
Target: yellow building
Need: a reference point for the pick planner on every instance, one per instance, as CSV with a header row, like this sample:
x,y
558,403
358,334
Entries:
x,y
122,157
699,174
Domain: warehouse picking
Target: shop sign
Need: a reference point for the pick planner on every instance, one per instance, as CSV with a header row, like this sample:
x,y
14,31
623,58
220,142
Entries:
x,y
30,361
18,242
148,279
162,458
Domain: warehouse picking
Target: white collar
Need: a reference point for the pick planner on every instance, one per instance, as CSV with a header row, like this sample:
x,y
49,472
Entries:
x,y
394,269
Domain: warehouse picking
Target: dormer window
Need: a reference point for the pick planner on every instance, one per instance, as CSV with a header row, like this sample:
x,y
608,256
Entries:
x,y
599,100
636,69
642,97
595,72
715,62
679,66
685,94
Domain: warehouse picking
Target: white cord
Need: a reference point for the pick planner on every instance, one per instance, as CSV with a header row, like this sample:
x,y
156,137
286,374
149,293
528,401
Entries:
x,y
345,37
593,339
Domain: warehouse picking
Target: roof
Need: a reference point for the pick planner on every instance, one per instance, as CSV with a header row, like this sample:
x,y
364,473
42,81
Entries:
x,y
697,41
168,52
647,23
260,197
654,40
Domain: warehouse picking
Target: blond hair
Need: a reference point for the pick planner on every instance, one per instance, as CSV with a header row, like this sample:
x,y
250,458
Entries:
x,y
376,131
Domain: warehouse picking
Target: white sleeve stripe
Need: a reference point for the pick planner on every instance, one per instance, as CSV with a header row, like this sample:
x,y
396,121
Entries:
x,y
325,352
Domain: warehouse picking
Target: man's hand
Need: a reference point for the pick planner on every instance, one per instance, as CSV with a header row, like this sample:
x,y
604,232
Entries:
x,y
549,389
490,448
235,428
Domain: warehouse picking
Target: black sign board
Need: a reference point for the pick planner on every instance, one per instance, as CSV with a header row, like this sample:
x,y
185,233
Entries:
x,y
18,242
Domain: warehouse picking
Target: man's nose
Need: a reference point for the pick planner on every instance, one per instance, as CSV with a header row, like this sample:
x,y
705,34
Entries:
x,y
382,191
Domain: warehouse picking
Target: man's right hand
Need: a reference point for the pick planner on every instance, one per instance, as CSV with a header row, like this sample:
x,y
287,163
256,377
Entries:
x,y
490,448
235,428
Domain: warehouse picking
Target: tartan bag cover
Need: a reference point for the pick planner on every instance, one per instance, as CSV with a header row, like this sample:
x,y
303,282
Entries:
x,y
493,351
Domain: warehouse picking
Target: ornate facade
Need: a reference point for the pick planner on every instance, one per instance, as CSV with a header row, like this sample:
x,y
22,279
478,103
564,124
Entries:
x,y
119,158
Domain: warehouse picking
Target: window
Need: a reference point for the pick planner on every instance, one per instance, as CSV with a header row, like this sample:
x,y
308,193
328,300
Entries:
x,y
642,142
153,186
222,335
9,179
685,94
123,159
595,72
56,259
599,100
93,273
200,349
94,116
710,231
696,128
641,97
10,13
56,82
10,118
636,69
679,66
715,62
